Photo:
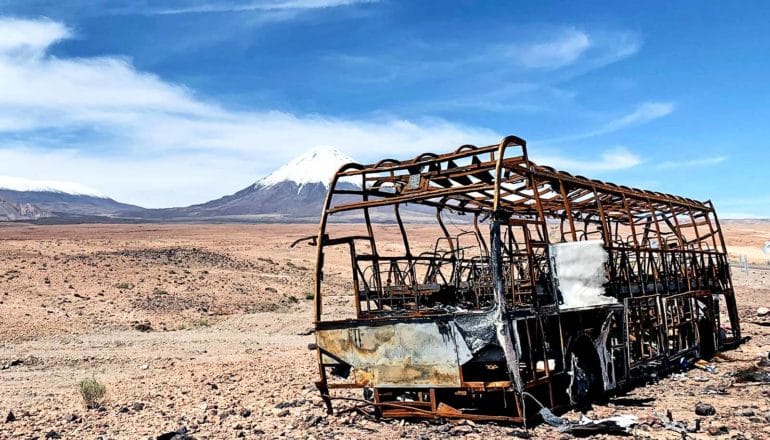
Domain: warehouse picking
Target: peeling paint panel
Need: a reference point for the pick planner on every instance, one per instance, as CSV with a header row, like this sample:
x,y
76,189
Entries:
x,y
400,355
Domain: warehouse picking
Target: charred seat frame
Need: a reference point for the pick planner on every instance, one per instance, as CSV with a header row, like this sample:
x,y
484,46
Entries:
x,y
473,331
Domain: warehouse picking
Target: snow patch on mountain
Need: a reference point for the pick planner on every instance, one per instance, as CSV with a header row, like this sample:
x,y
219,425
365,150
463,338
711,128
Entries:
x,y
316,165
73,188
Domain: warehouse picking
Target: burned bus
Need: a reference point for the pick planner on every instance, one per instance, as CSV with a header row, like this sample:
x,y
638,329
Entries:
x,y
558,288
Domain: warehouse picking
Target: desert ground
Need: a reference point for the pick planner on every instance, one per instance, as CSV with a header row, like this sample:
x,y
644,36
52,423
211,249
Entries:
x,y
206,328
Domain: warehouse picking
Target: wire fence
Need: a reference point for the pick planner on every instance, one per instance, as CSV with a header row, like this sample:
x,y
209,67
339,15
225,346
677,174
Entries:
x,y
744,263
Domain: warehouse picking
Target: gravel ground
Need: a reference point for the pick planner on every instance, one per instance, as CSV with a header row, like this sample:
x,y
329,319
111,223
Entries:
x,y
204,330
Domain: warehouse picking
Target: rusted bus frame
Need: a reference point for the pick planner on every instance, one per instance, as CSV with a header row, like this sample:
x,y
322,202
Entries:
x,y
635,199
544,193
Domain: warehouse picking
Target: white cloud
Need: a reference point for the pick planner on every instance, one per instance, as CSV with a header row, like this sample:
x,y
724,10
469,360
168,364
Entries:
x,y
563,50
144,140
643,113
611,160
30,36
702,162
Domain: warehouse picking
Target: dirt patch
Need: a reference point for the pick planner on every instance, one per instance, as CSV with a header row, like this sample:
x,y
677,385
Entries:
x,y
173,256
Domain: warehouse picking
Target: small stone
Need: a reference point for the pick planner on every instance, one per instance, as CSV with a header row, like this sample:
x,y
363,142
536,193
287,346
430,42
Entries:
x,y
283,413
462,429
745,412
70,418
313,421
52,434
245,412
762,311
143,327
123,409
704,409
11,417
137,406
520,433
144,367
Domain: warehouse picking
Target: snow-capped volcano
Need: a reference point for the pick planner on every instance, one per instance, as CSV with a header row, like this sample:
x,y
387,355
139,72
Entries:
x,y
316,165
293,192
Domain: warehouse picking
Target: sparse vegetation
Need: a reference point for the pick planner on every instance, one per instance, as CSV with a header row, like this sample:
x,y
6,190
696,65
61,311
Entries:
x,y
309,295
202,322
293,299
196,323
92,391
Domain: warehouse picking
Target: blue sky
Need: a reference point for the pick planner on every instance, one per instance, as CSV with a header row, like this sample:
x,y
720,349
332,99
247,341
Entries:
x,y
177,102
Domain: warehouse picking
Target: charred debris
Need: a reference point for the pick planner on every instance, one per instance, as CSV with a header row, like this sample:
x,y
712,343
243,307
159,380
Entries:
x,y
561,290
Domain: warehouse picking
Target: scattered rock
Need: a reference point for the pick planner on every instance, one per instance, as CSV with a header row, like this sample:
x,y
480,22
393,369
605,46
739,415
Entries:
x,y
763,311
123,410
520,433
137,406
704,409
144,367
52,434
245,412
71,418
312,421
718,430
13,363
11,417
291,404
461,429
143,327
179,434
308,331
712,390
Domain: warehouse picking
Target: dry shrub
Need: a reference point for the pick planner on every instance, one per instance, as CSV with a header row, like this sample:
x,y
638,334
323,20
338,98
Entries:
x,y
92,392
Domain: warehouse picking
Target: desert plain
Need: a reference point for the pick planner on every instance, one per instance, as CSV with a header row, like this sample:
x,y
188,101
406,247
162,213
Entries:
x,y
204,329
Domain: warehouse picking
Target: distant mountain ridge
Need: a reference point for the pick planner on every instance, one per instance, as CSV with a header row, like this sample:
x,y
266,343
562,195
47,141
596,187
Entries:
x,y
47,198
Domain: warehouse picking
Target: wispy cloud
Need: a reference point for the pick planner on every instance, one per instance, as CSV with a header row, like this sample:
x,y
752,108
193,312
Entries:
x,y
512,56
246,6
700,162
642,114
516,72
560,50
615,159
